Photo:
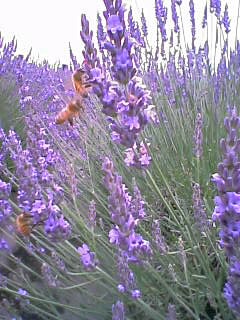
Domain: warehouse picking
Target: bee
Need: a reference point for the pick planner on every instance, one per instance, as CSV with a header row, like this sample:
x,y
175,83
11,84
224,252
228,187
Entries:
x,y
72,110
24,224
75,106
80,83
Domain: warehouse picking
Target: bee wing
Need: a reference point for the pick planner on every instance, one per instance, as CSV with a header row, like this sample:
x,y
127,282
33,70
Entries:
x,y
67,82
67,91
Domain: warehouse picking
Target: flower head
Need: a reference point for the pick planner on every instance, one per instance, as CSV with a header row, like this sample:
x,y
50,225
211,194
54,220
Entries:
x,y
87,257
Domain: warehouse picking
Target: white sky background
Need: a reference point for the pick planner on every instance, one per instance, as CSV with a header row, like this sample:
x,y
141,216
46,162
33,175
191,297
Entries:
x,y
49,25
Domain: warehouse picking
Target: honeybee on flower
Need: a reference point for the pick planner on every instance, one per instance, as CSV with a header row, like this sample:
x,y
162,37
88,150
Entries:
x,y
25,224
74,108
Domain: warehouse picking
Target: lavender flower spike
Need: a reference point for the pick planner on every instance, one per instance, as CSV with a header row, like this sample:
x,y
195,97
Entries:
x,y
193,29
88,257
199,210
226,20
227,206
123,234
175,16
131,246
125,99
118,311
198,136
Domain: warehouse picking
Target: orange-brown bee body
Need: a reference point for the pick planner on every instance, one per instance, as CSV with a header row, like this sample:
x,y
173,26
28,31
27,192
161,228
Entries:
x,y
74,108
80,83
24,224
68,113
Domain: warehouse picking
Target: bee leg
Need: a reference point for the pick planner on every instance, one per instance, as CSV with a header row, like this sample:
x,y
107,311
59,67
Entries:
x,y
70,120
87,85
40,223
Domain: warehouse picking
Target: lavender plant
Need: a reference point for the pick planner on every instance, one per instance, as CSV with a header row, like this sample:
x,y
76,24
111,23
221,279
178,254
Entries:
x,y
108,241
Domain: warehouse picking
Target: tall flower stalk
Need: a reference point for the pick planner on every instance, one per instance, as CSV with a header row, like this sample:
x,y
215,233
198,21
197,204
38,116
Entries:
x,y
126,214
227,206
125,99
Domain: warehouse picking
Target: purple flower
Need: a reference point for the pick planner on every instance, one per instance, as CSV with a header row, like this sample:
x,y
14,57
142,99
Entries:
x,y
126,276
144,25
5,211
73,58
56,227
87,257
227,206
198,136
125,100
4,246
92,215
100,32
60,264
38,192
193,29
5,190
161,15
199,210
137,203
226,20
123,67
136,294
114,25
171,314
118,311
90,52
175,16
232,286
158,238
138,156
48,276
215,6
22,292
126,212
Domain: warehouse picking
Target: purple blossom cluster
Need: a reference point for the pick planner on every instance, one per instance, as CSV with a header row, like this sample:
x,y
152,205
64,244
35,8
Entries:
x,y
215,7
125,99
199,211
226,20
6,209
192,18
38,195
158,238
198,136
39,192
92,215
135,33
88,258
118,311
175,17
227,206
126,213
161,15
144,25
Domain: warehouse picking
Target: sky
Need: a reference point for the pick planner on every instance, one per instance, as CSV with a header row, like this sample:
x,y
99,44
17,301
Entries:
x,y
47,26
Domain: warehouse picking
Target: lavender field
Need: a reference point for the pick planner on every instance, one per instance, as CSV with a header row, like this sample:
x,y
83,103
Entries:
x,y
120,197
